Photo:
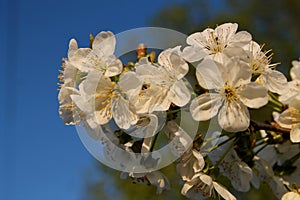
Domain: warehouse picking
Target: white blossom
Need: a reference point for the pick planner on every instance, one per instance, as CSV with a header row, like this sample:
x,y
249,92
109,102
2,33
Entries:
x,y
232,92
109,99
260,64
219,44
290,118
292,94
100,58
202,186
162,83
155,178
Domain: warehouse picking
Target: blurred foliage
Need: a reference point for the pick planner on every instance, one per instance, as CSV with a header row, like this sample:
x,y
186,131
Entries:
x,y
273,23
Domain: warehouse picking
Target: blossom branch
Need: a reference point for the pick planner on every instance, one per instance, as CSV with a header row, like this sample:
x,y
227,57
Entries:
x,y
267,127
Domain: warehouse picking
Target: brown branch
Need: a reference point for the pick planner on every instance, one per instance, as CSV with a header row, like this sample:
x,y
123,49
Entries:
x,y
268,127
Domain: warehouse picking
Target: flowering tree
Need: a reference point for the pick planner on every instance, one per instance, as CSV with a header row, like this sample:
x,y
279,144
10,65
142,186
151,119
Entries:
x,y
135,109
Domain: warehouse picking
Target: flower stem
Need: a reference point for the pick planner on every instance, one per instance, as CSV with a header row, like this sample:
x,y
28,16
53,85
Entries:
x,y
222,143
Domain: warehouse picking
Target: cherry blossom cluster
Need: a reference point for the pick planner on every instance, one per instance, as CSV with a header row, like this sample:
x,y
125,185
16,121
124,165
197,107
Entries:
x,y
235,77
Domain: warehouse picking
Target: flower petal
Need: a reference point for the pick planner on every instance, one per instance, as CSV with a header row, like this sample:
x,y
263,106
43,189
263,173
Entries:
x,y
253,95
123,116
295,133
295,70
114,66
274,81
179,94
241,38
129,82
223,192
105,42
194,53
238,72
289,117
73,46
209,74
172,58
205,106
234,116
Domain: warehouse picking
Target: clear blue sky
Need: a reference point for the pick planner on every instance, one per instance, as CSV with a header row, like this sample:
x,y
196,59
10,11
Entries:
x,y
40,158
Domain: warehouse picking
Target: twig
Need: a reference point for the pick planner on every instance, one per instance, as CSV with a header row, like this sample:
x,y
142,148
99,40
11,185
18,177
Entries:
x,y
268,127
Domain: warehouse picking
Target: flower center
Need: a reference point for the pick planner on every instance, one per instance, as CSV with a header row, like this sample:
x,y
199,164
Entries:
x,y
229,93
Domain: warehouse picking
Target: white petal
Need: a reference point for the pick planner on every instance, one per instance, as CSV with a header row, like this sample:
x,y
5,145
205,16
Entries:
x,y
129,82
104,115
105,42
114,66
172,58
275,81
200,163
241,38
295,70
226,30
253,95
289,117
73,46
194,53
291,196
238,72
197,38
89,85
295,133
292,94
234,117
123,116
209,74
205,106
223,192
80,61
186,187
179,94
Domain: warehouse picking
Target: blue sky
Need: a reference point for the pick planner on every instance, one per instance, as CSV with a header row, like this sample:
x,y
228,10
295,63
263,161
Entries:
x,y
40,157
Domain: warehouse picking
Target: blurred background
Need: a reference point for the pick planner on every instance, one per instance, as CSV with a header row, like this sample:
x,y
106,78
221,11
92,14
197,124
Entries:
x,y
40,157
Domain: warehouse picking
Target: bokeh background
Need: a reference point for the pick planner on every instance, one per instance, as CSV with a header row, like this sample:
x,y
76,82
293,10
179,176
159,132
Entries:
x,y
40,157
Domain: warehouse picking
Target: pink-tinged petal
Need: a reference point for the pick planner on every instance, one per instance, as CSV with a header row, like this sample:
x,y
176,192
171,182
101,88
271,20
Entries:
x,y
274,81
253,95
295,133
234,116
179,94
105,43
205,106
295,70
238,72
209,74
223,192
